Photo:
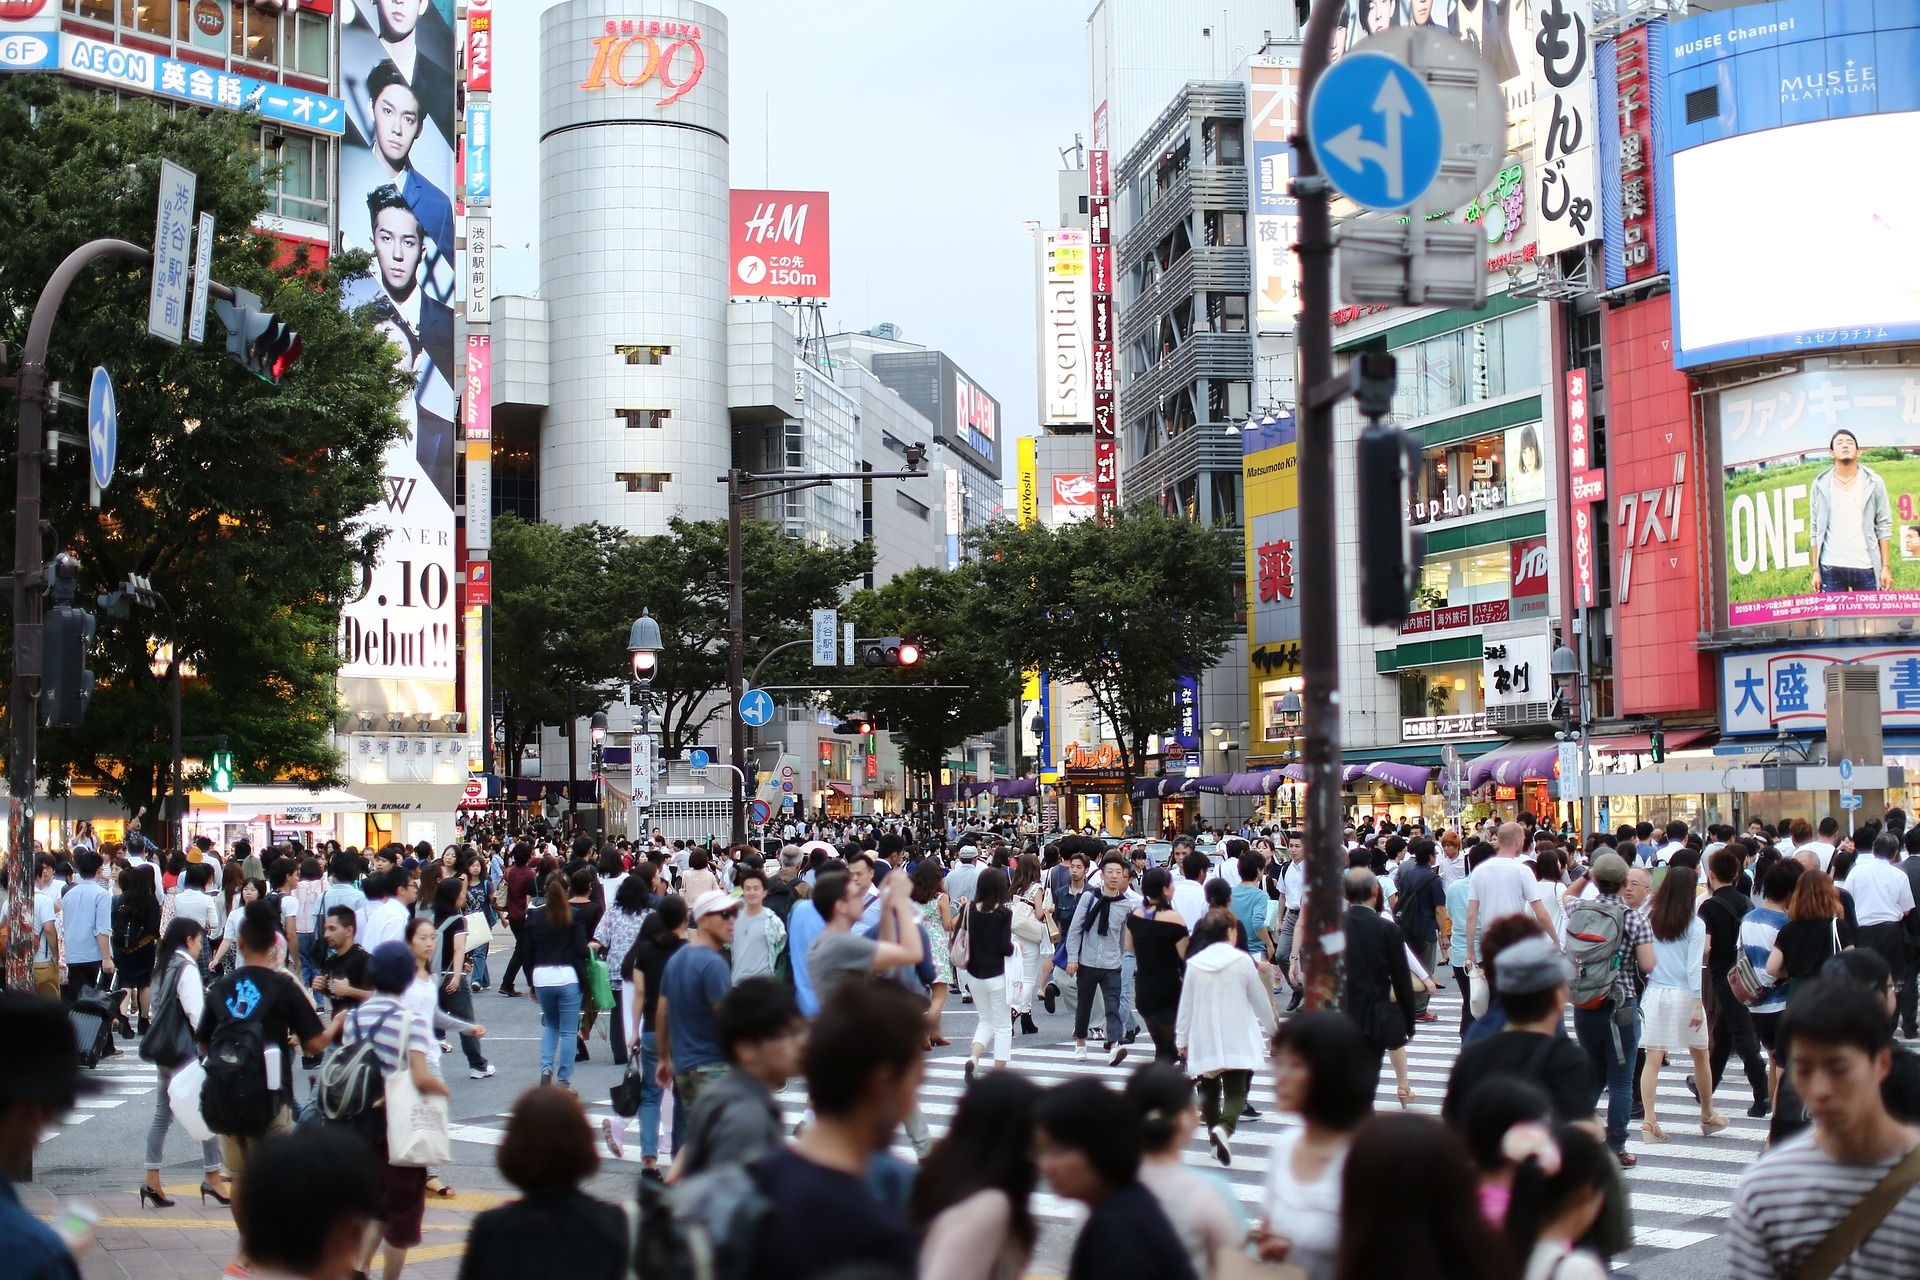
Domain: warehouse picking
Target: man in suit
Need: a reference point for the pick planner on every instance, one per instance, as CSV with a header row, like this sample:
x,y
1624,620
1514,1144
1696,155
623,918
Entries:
x,y
397,121
1377,972
420,326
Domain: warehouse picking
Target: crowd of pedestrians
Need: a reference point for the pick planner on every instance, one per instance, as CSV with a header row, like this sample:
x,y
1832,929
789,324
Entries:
x,y
731,976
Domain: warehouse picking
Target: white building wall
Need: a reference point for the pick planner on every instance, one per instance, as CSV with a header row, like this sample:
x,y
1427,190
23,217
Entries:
x,y
1141,52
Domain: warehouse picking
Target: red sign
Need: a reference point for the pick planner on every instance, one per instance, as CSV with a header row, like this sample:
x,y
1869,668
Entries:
x,y
209,17
1506,793
477,407
1528,568
1485,614
826,750
20,10
873,767
1074,491
474,794
777,244
1632,99
480,45
1583,555
1577,420
635,51
1275,573
480,582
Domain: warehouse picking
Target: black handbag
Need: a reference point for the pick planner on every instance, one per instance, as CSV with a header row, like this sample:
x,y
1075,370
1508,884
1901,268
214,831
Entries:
x,y
626,1095
169,1039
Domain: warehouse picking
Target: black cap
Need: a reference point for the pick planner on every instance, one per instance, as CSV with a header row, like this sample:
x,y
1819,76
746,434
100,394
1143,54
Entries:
x,y
39,1057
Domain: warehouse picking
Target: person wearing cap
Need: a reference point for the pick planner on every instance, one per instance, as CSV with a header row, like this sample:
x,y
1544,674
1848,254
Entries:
x,y
964,877
1610,1031
39,1082
694,982
1530,980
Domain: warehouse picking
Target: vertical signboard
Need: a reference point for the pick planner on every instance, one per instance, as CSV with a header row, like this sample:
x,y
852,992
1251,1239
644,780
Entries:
x,y
397,635
474,638
202,276
1106,459
955,515
479,154
1270,483
478,272
1273,104
172,249
479,46
1627,153
477,413
1066,322
1563,124
1029,480
779,244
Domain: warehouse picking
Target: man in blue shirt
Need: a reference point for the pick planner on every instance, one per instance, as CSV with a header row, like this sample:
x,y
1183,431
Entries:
x,y
87,925
691,987
39,1078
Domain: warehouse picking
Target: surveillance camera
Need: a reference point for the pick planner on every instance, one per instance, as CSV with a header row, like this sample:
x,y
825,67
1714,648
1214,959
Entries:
x,y
916,456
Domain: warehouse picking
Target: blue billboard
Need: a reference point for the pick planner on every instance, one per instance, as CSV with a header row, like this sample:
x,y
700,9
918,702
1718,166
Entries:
x,y
1792,206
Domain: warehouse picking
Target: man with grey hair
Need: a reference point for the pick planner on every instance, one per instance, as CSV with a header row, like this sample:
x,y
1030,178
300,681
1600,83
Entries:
x,y
1504,886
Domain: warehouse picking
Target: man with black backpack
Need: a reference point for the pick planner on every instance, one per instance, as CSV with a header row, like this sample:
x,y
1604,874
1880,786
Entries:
x,y
251,1014
1609,944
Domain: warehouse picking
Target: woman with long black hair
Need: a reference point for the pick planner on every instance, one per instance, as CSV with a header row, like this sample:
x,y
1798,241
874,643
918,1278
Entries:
x,y
135,940
1157,935
989,924
179,1001
970,1198
557,947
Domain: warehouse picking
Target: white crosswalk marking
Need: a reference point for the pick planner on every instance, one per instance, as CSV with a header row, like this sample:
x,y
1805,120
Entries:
x,y
1681,1188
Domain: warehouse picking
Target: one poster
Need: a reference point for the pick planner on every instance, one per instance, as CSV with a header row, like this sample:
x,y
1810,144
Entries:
x,y
1821,492
1273,118
779,244
1564,129
396,180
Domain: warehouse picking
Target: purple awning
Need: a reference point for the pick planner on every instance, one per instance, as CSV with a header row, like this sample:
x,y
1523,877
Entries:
x,y
1213,783
943,793
1511,764
1293,772
1352,773
1146,788
1015,788
1249,784
1411,778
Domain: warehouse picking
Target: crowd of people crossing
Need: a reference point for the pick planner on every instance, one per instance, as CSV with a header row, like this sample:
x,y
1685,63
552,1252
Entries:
x,y
312,994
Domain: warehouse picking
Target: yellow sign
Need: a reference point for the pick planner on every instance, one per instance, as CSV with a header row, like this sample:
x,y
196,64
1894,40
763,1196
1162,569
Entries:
x,y
1029,481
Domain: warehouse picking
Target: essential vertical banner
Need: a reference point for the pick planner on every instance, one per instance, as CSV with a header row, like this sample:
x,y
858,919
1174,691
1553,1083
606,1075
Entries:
x,y
396,183
1106,461
1273,118
1066,327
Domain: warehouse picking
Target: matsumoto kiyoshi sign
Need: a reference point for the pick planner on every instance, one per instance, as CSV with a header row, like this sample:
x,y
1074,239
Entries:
x,y
1821,491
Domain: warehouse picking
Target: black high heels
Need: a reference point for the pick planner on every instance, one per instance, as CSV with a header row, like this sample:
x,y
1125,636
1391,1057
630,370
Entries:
x,y
158,1199
207,1189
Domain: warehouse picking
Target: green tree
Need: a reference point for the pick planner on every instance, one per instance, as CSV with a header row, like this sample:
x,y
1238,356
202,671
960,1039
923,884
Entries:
x,y
937,609
1124,609
238,499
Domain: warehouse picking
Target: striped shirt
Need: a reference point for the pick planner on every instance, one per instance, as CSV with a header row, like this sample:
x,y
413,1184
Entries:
x,y
380,1018
1795,1194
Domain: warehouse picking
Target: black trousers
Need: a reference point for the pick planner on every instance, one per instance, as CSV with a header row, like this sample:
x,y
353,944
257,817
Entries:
x,y
521,954
1733,1033
1890,940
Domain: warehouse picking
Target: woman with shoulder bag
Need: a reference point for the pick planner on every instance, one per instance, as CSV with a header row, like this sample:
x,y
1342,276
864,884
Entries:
x,y
179,999
1031,941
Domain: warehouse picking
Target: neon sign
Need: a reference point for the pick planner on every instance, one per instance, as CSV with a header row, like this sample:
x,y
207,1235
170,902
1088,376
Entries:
x,y
661,43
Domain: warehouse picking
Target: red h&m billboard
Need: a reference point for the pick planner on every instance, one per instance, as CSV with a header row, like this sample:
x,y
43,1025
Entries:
x,y
777,245
1660,602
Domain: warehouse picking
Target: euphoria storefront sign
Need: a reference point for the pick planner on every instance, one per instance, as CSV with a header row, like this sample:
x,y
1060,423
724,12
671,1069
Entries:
x,y
635,52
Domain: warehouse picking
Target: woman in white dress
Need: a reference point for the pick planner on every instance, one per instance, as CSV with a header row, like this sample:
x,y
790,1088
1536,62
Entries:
x,y
1675,1019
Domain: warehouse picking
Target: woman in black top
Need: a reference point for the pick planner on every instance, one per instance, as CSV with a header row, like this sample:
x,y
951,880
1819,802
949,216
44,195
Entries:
x,y
555,1228
1817,929
1089,1148
1158,936
135,940
663,933
557,941
582,888
989,924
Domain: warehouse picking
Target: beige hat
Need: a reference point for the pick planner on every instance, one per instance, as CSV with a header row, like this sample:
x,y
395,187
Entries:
x,y
713,901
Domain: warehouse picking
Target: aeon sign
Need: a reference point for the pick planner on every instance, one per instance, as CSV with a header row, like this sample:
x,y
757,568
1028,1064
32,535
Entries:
x,y
638,51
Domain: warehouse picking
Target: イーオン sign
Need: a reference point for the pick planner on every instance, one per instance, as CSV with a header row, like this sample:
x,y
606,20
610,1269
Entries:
x,y
636,51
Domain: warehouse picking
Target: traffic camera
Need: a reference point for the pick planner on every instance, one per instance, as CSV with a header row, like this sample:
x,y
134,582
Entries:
x,y
261,341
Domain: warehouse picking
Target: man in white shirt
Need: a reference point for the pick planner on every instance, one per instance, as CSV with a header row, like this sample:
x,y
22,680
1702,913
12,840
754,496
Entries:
x,y
46,929
1189,868
1822,845
1504,886
964,877
390,908
193,902
1882,901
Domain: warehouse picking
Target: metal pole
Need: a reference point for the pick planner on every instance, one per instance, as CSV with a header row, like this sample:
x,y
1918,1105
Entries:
x,y
573,752
1323,918
177,810
1586,715
736,653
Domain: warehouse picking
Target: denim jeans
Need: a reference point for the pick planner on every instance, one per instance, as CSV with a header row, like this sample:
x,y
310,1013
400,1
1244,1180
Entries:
x,y
1127,1018
1107,982
1837,578
1611,1066
559,1023
459,1003
479,954
650,1096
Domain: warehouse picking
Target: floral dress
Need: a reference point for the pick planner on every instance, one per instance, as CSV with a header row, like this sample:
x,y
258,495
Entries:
x,y
937,941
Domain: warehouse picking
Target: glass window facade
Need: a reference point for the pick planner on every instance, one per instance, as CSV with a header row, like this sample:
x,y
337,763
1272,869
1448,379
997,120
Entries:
x,y
258,35
1485,361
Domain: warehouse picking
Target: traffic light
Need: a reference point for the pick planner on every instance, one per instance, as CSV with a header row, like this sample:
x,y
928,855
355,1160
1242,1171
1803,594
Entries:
x,y
889,651
1657,745
221,775
66,682
1391,550
257,338
857,724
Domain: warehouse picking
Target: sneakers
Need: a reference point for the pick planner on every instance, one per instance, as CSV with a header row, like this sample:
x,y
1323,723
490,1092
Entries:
x,y
546,1078
480,1073
1248,1113
1217,1139
1080,1052
1118,1056
611,1132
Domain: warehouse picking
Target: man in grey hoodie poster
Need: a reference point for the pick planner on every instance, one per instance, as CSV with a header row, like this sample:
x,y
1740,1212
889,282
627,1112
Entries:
x,y
1852,523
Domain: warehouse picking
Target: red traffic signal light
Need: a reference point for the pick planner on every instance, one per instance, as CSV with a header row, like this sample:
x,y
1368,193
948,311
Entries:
x,y
909,654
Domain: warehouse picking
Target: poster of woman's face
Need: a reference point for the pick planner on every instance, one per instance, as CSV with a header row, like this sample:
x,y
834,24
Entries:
x,y
1526,465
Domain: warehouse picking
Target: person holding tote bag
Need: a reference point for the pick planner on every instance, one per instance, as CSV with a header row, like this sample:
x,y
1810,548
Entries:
x,y
178,1001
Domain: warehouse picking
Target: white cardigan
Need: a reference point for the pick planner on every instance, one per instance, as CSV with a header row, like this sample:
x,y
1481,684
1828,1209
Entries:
x,y
1226,1015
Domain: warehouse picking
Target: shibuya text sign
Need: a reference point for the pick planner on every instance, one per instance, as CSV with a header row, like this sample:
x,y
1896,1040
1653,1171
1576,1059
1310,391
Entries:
x,y
635,52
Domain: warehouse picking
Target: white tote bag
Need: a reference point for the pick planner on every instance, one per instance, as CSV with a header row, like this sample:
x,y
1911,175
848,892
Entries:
x,y
183,1099
417,1123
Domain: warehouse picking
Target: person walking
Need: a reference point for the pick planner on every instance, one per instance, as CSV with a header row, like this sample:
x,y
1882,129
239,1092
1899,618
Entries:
x,y
522,881
1676,1019
1608,1025
1883,905
1437,1235
179,1004
1379,980
1032,940
737,1120
692,985
1204,1212
1504,886
1089,1151
1221,1028
663,933
86,927
136,943
1723,912
1159,937
554,1228
989,924
448,972
971,1197
759,935
1420,909
1096,941
556,952
613,938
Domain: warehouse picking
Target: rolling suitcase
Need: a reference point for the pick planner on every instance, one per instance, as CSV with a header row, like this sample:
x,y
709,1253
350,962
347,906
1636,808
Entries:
x,y
92,1019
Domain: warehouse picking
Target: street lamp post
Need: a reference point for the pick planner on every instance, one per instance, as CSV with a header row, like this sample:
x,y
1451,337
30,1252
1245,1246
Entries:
x,y
1290,721
1566,665
643,642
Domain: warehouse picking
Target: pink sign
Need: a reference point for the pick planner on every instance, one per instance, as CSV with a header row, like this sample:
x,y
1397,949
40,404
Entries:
x,y
477,404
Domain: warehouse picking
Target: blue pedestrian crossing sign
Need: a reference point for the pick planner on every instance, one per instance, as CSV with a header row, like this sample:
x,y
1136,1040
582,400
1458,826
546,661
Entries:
x,y
1376,130
697,760
756,707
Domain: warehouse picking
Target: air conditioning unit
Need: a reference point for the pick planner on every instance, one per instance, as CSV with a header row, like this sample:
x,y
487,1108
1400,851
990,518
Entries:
x,y
1853,714
1520,719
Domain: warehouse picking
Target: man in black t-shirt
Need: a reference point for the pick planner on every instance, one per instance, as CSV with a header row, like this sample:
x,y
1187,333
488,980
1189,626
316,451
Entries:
x,y
1732,1028
343,973
1531,978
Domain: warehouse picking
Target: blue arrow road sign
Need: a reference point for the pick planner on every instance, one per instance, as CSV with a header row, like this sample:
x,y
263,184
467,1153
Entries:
x,y
103,427
696,760
1846,770
756,707
1376,130
1851,800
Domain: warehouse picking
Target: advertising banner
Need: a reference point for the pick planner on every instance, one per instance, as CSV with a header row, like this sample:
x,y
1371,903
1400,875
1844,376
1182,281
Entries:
x,y
1630,78
479,46
779,245
29,35
1563,124
396,182
976,416
1067,329
1821,473
479,154
189,82
1270,482
1028,479
1106,458
477,272
1767,690
1075,497
1273,117
1797,87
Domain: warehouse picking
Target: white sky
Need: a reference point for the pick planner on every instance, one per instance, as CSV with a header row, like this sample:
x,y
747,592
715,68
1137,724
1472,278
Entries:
x,y
935,127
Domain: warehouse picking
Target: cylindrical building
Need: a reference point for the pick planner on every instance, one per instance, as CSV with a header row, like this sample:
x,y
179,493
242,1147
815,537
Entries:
x,y
633,262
